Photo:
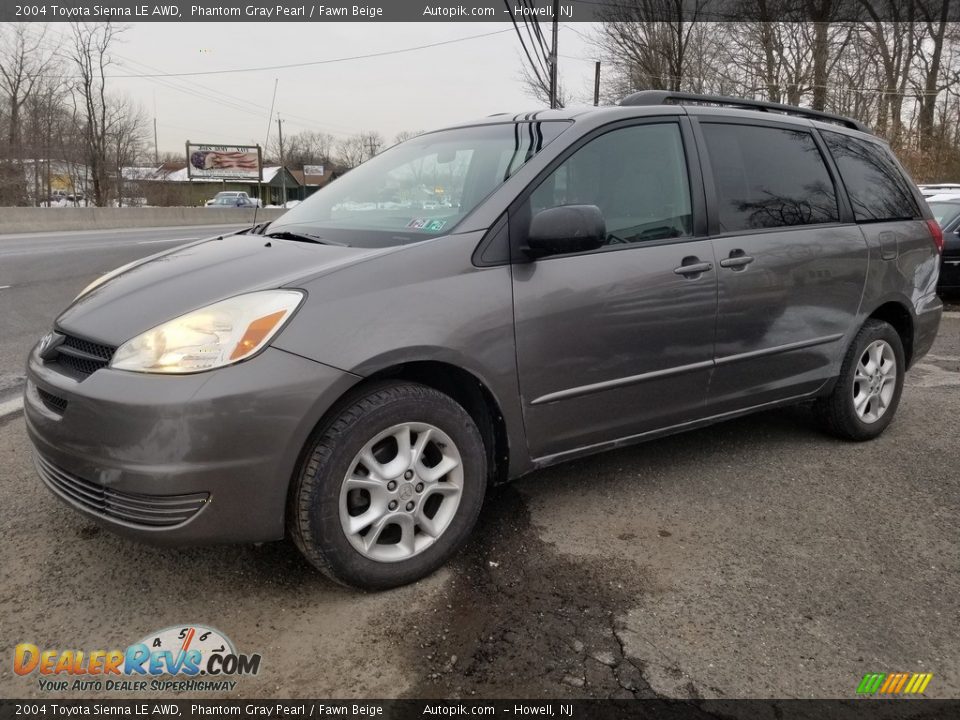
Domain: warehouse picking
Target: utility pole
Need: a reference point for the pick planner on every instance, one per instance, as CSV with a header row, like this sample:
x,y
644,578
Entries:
x,y
156,153
283,169
596,84
553,55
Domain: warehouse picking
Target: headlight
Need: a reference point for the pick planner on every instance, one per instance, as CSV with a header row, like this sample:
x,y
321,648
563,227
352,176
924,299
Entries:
x,y
217,335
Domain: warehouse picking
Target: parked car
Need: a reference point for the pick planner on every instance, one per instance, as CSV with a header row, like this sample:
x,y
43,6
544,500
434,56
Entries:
x,y
228,202
232,199
946,211
930,190
355,380
945,195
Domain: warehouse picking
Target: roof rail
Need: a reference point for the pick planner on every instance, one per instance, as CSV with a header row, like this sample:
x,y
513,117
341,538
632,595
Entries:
x,y
667,97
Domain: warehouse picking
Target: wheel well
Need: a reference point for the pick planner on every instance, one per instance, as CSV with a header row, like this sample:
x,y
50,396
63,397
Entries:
x,y
899,317
469,392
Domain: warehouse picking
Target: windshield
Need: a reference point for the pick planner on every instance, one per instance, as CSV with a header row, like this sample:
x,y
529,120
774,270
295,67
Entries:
x,y
420,188
944,213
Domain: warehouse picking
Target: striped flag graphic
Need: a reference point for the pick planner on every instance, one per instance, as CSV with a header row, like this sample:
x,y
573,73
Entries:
x,y
894,683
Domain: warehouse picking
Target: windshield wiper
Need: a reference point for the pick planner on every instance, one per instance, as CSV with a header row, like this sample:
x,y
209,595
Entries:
x,y
303,237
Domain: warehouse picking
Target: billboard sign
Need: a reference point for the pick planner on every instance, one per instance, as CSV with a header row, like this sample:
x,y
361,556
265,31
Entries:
x,y
224,162
313,169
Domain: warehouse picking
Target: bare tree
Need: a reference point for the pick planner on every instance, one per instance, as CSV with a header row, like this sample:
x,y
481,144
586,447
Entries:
x,y
647,43
895,44
350,152
538,87
127,126
24,59
932,80
822,39
405,135
308,147
45,121
89,51
892,64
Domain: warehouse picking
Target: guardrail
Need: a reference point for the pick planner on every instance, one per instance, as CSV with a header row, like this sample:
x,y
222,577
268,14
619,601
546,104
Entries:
x,y
23,220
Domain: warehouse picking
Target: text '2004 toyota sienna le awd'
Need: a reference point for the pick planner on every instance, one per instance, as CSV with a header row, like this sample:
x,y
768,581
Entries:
x,y
479,302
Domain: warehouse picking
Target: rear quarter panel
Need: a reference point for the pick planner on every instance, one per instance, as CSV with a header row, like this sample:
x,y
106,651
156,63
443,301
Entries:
x,y
904,268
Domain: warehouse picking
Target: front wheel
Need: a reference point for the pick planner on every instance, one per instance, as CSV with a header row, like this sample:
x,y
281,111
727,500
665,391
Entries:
x,y
390,488
867,393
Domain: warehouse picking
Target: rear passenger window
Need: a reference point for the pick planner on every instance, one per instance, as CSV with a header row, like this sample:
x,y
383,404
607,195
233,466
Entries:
x,y
877,188
768,177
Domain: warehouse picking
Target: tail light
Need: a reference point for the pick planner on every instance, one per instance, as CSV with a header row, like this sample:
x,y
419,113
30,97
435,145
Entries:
x,y
936,232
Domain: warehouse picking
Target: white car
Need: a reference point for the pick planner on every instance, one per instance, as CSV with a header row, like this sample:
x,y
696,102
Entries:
x,y
235,198
946,195
930,190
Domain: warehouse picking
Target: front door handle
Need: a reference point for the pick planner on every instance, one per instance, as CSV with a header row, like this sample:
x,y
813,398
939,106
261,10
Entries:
x,y
692,267
738,260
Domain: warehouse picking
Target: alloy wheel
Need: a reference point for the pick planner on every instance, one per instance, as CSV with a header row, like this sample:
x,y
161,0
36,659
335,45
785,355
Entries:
x,y
401,492
874,381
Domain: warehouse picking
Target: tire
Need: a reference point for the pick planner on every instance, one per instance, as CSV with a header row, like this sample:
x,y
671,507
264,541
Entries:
x,y
326,507
849,412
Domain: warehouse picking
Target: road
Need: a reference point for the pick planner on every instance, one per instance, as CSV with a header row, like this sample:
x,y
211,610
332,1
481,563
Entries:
x,y
40,273
757,558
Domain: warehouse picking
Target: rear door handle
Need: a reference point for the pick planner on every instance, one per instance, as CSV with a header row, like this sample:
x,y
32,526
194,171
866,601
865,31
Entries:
x,y
738,260
691,266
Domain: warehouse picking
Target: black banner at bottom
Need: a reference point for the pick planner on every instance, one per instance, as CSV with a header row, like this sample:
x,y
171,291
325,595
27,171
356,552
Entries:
x,y
917,709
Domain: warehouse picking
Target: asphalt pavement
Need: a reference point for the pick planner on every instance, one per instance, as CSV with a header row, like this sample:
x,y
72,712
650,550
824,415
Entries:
x,y
40,273
756,558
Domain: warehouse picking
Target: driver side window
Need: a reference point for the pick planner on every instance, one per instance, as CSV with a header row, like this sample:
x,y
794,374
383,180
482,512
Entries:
x,y
636,175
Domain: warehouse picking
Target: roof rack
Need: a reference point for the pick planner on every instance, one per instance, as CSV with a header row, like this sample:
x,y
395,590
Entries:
x,y
667,97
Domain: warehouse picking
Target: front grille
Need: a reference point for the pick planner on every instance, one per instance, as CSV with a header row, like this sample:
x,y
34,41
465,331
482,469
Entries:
x,y
79,358
151,511
57,404
102,352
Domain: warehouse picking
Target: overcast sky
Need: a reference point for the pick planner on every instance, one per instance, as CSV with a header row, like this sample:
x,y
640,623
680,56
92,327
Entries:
x,y
423,89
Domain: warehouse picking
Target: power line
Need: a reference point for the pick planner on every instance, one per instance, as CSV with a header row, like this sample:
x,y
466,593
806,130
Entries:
x,y
314,62
537,42
533,65
232,102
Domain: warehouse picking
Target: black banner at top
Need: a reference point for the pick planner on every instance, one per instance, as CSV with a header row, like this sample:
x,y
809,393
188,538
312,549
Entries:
x,y
479,11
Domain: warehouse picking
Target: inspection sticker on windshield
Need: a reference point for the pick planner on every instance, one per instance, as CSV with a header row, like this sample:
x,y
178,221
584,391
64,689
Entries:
x,y
426,224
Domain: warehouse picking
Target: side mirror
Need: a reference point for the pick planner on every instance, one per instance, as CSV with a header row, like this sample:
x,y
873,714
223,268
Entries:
x,y
566,229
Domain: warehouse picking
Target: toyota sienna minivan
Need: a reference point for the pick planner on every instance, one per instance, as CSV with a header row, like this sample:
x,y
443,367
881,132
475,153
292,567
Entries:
x,y
480,302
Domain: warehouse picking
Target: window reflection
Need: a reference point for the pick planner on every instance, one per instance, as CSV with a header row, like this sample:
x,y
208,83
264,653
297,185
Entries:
x,y
768,177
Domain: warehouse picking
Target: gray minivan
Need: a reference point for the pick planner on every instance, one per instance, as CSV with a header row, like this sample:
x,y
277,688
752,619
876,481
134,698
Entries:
x,y
480,302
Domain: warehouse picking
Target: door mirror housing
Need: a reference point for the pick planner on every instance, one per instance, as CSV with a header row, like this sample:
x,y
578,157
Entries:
x,y
566,229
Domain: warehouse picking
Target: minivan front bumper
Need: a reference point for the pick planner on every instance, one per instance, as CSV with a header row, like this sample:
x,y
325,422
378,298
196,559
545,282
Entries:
x,y
189,459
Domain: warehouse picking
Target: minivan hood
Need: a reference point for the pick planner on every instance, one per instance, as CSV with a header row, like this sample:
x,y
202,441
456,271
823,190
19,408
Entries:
x,y
196,275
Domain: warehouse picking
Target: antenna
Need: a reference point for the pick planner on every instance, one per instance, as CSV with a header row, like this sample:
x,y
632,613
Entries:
x,y
266,140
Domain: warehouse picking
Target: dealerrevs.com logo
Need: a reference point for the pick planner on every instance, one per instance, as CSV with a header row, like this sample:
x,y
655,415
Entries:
x,y
202,656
